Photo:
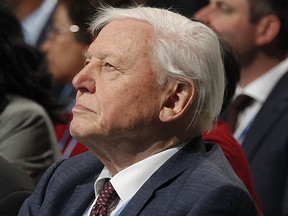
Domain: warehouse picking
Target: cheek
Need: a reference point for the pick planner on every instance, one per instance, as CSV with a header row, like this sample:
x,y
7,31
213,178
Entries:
x,y
57,59
130,106
232,24
225,28
241,38
232,32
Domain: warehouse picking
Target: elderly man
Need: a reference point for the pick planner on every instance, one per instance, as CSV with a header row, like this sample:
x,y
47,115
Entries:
x,y
153,82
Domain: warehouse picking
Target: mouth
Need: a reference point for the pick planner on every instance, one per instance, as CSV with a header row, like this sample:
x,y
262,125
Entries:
x,y
81,108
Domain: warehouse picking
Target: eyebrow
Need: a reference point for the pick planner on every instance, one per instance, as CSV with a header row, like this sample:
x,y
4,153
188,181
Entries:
x,y
87,56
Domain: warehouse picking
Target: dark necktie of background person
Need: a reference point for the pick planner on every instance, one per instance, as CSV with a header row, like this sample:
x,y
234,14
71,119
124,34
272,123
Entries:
x,y
105,199
235,108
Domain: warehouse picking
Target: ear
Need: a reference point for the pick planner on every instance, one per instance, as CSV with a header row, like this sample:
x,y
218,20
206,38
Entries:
x,y
268,28
178,101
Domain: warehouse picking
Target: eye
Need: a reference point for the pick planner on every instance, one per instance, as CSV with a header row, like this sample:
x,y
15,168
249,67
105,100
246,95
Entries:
x,y
224,8
108,67
87,58
86,62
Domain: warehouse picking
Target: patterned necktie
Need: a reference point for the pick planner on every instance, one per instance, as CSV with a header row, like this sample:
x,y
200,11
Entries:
x,y
235,108
106,197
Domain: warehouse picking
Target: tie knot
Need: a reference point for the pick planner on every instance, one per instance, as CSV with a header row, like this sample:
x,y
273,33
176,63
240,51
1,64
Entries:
x,y
241,102
235,108
105,199
107,195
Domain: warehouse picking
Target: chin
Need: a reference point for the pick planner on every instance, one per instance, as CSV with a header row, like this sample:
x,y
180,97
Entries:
x,y
75,130
79,131
77,135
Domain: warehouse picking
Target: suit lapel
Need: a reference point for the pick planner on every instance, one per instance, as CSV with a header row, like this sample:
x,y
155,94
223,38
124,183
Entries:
x,y
169,170
80,199
84,170
269,114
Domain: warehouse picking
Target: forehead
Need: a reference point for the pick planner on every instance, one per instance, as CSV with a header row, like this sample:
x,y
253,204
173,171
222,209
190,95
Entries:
x,y
61,15
128,26
126,36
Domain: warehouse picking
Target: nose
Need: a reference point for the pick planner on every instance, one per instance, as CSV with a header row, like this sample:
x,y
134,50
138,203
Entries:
x,y
45,46
84,82
204,15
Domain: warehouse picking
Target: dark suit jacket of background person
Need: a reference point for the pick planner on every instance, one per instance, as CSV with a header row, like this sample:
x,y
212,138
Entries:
x,y
15,186
266,147
194,181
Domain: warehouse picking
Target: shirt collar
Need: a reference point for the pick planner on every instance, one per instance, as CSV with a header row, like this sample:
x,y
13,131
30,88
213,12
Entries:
x,y
34,23
260,88
130,180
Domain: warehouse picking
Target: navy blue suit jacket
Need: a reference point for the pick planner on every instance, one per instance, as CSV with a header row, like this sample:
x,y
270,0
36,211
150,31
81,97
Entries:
x,y
266,146
197,180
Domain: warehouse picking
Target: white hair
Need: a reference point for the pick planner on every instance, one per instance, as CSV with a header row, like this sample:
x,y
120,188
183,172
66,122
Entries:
x,y
184,49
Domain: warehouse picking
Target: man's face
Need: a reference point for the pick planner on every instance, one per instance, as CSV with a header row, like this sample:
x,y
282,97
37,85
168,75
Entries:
x,y
230,18
118,94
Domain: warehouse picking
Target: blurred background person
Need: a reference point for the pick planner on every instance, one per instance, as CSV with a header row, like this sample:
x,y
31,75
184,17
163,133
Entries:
x,y
258,31
27,108
35,17
64,48
16,186
68,40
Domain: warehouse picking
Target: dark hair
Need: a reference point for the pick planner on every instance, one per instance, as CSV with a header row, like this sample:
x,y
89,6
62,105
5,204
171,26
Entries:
x,y
80,13
261,8
185,7
232,73
23,70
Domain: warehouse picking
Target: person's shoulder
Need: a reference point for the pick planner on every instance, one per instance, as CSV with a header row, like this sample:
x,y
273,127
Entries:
x,y
84,165
277,100
20,104
208,183
280,89
86,159
21,109
22,113
16,186
214,169
13,178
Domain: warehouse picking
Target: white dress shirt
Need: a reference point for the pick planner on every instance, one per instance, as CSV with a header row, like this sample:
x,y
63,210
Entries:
x,y
35,22
259,90
130,180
